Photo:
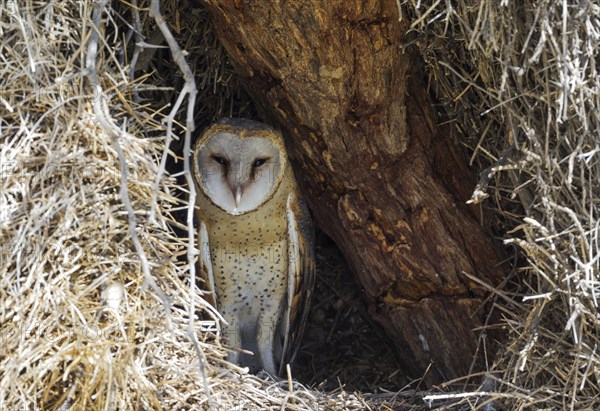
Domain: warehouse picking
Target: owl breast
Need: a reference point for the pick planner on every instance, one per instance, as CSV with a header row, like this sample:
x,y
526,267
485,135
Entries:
x,y
250,276
249,255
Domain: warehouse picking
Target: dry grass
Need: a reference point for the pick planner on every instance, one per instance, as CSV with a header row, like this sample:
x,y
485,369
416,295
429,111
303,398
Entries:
x,y
95,293
521,83
94,255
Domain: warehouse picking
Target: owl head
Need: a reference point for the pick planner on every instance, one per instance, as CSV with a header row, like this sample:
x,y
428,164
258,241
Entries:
x,y
239,163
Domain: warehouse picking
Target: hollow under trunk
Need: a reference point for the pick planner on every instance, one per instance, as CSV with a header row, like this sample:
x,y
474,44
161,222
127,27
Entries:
x,y
382,178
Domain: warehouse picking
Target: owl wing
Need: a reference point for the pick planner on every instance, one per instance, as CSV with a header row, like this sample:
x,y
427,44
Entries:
x,y
205,267
301,276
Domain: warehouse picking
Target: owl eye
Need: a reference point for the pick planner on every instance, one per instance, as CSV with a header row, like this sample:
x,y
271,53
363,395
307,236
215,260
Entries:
x,y
259,162
220,160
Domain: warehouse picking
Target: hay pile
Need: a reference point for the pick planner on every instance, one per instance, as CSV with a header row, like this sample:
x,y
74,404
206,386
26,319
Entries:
x,y
521,82
95,295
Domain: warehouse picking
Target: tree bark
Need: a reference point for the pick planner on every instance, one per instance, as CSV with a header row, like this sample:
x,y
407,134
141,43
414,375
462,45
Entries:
x,y
382,178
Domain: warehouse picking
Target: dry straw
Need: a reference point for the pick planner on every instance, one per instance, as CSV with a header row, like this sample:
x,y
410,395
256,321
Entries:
x,y
520,81
96,307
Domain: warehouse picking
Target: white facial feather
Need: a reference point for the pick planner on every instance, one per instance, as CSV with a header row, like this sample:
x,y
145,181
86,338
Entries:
x,y
239,174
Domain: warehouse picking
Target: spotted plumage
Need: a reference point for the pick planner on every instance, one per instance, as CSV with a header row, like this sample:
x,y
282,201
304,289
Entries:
x,y
256,240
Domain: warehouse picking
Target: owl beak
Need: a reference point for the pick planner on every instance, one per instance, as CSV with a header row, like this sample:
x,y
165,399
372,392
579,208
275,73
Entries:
x,y
237,180
239,190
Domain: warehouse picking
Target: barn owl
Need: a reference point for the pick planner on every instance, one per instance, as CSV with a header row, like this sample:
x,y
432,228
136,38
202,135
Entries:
x,y
255,239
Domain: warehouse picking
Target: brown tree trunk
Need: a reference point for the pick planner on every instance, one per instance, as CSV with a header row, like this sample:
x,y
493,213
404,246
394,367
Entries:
x,y
383,180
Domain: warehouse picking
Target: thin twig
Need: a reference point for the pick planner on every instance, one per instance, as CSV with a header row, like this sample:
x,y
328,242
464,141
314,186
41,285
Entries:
x,y
190,90
104,119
